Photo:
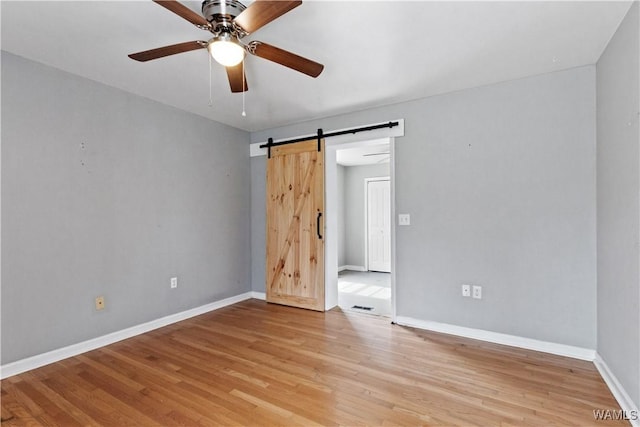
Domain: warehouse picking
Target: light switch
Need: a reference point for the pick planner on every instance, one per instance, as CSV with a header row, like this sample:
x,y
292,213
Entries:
x,y
404,219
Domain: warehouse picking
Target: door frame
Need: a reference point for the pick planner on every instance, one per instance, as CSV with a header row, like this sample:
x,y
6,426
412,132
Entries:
x,y
366,214
332,145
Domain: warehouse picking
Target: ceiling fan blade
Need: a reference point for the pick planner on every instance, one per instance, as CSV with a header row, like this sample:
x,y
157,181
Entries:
x,y
184,12
288,59
161,52
237,79
261,12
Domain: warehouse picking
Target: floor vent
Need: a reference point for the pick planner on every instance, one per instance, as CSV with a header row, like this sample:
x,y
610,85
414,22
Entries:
x,y
360,307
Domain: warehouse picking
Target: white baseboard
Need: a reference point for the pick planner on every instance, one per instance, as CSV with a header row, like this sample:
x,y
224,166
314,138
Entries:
x,y
498,338
258,295
20,366
352,268
618,391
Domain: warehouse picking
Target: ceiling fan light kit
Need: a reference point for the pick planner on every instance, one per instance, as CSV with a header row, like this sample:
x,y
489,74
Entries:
x,y
225,48
229,21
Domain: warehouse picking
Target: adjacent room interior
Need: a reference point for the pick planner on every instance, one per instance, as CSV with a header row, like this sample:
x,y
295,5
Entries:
x,y
428,214
364,228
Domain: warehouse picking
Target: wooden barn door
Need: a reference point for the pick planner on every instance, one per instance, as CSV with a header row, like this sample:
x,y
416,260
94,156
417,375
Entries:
x,y
295,225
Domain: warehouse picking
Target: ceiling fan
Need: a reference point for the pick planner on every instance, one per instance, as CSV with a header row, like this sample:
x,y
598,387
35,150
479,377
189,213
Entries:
x,y
229,21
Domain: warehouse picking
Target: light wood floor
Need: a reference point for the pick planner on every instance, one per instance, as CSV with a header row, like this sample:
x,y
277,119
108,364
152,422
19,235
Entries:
x,y
260,364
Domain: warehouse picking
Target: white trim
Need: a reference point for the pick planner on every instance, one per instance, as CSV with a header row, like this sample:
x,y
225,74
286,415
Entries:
x,y
352,268
255,150
498,338
392,176
330,223
618,391
33,362
259,295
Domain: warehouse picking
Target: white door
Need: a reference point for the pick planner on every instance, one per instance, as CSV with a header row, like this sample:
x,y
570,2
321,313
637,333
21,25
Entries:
x,y
379,225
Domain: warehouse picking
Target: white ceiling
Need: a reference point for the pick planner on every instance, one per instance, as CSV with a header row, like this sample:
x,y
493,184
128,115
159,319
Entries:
x,y
366,155
374,52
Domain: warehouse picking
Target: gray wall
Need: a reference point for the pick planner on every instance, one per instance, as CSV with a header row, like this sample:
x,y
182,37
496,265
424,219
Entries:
x,y
618,172
500,185
106,193
355,215
258,225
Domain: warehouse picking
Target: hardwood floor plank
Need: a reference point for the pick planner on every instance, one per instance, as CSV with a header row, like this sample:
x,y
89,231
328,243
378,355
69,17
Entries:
x,y
63,404
255,363
22,419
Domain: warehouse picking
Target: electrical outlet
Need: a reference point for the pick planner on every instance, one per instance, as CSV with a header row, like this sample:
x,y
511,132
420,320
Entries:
x,y
466,290
477,292
174,282
99,303
404,219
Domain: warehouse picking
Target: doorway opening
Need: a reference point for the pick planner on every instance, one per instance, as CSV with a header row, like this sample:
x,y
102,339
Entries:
x,y
327,221
364,225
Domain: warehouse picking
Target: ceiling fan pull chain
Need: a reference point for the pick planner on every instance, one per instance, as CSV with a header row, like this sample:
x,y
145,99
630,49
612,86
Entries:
x,y
210,90
244,113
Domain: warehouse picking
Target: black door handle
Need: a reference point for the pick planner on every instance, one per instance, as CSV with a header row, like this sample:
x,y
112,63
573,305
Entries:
x,y
318,225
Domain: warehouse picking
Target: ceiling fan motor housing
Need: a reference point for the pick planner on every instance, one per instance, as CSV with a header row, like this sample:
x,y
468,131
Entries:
x,y
221,12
